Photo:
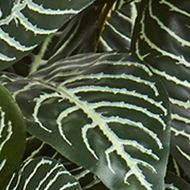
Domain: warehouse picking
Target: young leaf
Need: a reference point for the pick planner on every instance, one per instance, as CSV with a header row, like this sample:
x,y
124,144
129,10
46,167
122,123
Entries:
x,y
12,136
105,112
43,174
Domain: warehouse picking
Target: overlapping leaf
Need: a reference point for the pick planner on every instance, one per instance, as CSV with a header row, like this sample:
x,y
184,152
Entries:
x,y
28,22
105,112
119,28
168,55
42,174
36,148
12,136
77,36
176,183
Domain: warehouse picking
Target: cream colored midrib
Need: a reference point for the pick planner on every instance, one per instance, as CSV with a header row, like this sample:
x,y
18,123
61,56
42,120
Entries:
x,y
115,141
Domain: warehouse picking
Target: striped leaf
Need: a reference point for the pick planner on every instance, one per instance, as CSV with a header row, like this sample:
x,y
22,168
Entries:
x,y
176,183
87,179
169,57
119,28
25,23
42,174
12,136
77,36
36,148
105,112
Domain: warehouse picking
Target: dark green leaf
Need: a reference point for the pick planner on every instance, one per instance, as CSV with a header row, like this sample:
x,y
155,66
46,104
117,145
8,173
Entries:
x,y
36,148
165,46
42,174
78,36
28,22
12,135
105,112
118,29
176,183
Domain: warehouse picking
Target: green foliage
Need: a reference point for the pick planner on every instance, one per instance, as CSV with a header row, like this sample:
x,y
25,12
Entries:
x,y
97,117
12,136
168,58
33,20
50,173
103,87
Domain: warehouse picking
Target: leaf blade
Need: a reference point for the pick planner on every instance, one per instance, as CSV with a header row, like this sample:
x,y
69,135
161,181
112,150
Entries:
x,y
168,58
43,173
12,134
95,111
33,22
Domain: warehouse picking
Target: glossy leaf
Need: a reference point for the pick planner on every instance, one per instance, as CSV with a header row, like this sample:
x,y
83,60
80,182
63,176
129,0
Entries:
x,y
12,135
105,112
43,174
119,28
168,56
28,22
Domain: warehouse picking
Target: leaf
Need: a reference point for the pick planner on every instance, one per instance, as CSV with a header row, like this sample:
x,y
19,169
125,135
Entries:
x,y
168,56
36,148
176,183
105,112
12,136
77,36
28,22
43,173
118,29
